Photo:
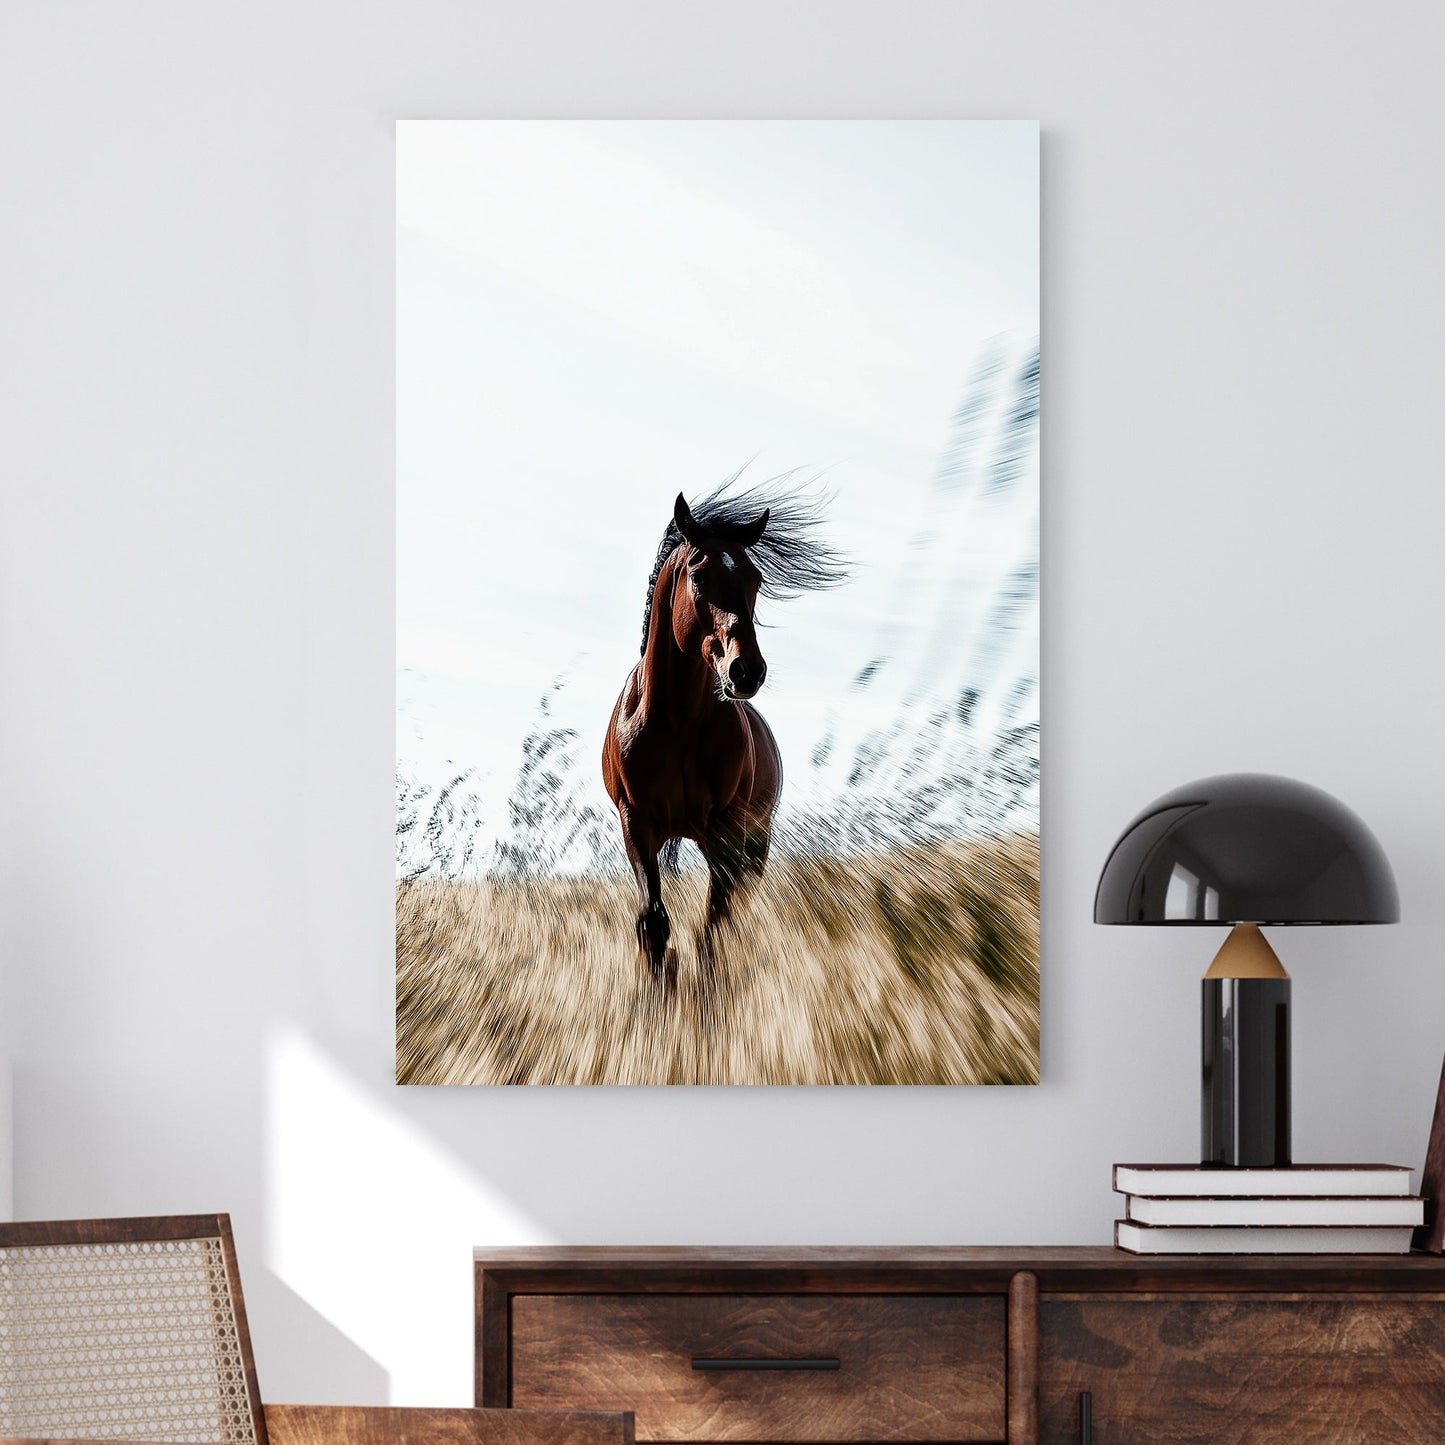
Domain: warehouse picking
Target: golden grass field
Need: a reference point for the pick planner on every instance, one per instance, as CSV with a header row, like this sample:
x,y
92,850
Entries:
x,y
914,966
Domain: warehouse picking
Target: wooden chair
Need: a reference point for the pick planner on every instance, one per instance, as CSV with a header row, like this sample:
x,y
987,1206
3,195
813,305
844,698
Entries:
x,y
135,1330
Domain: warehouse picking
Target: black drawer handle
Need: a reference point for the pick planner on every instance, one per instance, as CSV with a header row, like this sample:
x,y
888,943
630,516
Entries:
x,y
1086,1417
701,1362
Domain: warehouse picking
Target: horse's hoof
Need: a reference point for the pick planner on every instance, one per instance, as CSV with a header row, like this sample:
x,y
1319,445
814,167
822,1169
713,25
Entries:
x,y
659,985
664,970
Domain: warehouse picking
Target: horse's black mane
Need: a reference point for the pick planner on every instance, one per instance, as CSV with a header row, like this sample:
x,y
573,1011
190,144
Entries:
x,y
789,555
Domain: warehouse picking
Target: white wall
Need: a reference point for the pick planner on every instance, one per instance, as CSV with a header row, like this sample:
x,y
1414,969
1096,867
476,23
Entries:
x,y
7,1170
1245,357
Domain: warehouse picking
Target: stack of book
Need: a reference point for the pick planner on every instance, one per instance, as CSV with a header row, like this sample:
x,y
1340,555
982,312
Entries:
x,y
1300,1209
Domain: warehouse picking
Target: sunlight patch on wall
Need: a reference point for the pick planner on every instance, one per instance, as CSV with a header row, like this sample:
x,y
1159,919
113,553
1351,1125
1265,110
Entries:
x,y
372,1223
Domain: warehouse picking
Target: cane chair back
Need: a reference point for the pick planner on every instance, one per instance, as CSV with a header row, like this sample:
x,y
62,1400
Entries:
x,y
126,1329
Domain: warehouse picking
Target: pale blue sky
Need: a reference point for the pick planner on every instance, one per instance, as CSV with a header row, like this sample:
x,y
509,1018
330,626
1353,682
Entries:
x,y
594,316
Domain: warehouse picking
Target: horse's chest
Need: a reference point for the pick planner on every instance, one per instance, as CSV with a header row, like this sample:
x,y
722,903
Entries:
x,y
687,775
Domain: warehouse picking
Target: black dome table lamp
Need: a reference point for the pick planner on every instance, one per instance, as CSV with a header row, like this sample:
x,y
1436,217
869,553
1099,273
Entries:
x,y
1247,849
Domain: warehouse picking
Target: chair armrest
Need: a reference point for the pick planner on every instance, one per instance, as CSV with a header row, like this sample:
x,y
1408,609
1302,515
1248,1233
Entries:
x,y
392,1425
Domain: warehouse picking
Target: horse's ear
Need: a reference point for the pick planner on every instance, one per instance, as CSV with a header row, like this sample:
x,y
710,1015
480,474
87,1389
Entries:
x,y
751,535
683,520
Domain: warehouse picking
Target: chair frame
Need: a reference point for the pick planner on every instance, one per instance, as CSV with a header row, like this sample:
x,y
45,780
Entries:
x,y
325,1424
149,1229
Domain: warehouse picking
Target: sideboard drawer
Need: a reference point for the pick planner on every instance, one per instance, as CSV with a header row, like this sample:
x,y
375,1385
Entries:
x,y
760,1367
1207,1369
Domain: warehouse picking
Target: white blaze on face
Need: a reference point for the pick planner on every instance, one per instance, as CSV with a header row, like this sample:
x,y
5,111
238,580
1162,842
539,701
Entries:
x,y
729,561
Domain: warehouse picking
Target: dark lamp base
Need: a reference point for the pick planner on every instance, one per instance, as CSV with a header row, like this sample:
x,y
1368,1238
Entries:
x,y
1245,1114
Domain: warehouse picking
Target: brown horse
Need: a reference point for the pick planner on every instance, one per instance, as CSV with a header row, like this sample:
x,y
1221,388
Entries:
x,y
687,756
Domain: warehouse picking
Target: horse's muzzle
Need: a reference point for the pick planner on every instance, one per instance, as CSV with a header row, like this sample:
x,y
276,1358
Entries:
x,y
745,678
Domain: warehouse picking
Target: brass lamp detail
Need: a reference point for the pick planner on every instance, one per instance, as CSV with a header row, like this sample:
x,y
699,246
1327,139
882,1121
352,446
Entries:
x,y
1246,953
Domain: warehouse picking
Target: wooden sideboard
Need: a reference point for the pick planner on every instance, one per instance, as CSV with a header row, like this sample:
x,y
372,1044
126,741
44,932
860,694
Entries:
x,y
806,1346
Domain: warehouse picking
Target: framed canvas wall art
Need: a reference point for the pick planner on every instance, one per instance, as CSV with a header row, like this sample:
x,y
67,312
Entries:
x,y
717,602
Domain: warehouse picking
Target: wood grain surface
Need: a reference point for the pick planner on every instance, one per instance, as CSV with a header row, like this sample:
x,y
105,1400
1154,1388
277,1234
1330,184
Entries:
x,y
1307,1370
934,1270
1023,1359
113,1231
1239,1350
382,1425
911,1368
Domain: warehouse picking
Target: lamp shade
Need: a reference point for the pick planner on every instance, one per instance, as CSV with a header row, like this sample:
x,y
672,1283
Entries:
x,y
1246,847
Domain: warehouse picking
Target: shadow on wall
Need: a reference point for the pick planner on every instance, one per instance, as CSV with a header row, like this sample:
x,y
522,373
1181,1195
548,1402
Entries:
x,y
181,1135
376,1195
7,1166
370,1221
314,1359
661,1165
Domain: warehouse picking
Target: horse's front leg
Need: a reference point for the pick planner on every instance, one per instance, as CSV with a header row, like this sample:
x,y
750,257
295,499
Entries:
x,y
722,879
726,864
654,928
736,856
